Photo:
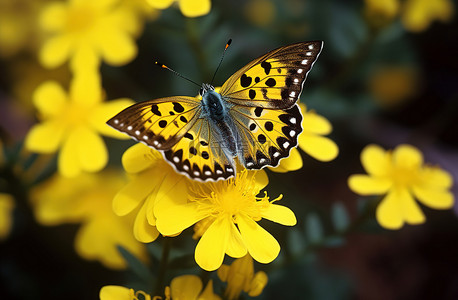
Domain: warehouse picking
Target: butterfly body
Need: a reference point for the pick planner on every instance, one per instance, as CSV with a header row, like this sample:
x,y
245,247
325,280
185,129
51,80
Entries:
x,y
254,117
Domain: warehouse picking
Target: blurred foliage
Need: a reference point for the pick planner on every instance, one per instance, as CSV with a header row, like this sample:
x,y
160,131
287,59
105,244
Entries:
x,y
387,75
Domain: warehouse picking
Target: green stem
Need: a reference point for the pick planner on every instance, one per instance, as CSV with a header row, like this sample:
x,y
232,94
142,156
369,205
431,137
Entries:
x,y
166,246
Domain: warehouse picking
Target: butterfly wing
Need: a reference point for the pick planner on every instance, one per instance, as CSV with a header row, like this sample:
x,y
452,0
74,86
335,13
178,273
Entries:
x,y
267,135
199,154
273,80
159,123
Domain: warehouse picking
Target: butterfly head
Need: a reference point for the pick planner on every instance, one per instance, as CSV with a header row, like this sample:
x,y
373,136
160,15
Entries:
x,y
205,88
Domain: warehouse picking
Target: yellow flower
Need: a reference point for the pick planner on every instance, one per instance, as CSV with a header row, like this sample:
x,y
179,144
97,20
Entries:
x,y
74,122
6,214
393,85
233,208
87,199
87,31
381,13
312,140
260,12
419,14
185,287
240,276
189,8
401,175
152,180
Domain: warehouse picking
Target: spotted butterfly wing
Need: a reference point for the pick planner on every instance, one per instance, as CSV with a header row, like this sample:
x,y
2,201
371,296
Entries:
x,y
175,126
274,80
263,94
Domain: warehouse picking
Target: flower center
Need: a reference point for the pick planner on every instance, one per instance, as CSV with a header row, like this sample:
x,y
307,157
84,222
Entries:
x,y
404,177
80,19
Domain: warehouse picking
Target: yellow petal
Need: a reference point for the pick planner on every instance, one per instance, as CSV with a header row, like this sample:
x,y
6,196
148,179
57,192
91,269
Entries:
x,y
86,89
318,147
291,163
53,16
172,220
235,246
437,199
136,191
388,212
114,292
138,158
257,285
375,160
104,112
262,180
143,231
407,156
160,4
92,154
55,51
262,246
68,160
210,250
435,177
49,98
45,137
186,287
116,48
410,208
6,217
195,8
366,185
316,124
279,214
85,59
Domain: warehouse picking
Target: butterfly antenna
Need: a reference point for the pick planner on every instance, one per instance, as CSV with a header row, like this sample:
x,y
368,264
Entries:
x,y
221,60
175,72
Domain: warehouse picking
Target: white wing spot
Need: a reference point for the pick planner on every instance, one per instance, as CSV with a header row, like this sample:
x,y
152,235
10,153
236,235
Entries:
x,y
137,132
155,143
292,133
285,145
129,127
196,173
308,53
296,80
249,164
116,121
292,94
121,125
300,71
229,170
176,159
305,61
276,154
262,160
145,137
185,167
310,47
293,120
219,172
208,173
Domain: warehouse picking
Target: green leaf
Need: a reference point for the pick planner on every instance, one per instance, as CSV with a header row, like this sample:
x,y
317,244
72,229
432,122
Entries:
x,y
340,217
313,228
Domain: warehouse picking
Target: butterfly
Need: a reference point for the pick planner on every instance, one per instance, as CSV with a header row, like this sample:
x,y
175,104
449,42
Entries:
x,y
254,117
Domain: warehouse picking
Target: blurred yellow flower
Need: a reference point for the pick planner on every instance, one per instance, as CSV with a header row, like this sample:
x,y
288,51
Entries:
x,y
401,175
73,122
393,85
87,199
184,287
419,14
381,13
189,8
152,180
86,31
6,215
240,277
232,208
260,12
